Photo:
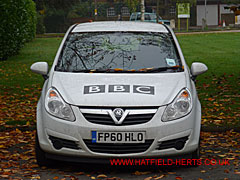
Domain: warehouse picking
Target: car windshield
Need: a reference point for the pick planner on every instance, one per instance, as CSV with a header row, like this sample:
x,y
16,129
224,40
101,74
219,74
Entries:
x,y
119,52
154,17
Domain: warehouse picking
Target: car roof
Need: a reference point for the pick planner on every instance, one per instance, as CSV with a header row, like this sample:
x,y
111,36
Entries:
x,y
120,26
144,13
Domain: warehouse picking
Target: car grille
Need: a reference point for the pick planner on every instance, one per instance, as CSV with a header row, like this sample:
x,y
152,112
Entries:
x,y
175,143
118,148
59,143
102,116
107,120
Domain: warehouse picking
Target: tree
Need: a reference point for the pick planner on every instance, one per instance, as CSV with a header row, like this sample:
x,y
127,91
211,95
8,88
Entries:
x,y
18,25
231,1
186,1
57,4
132,4
53,14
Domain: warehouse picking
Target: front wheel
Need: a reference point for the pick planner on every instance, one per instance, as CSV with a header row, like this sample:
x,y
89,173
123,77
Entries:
x,y
40,154
196,155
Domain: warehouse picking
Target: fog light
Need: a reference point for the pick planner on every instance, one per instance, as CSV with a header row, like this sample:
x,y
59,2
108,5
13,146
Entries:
x,y
57,145
179,145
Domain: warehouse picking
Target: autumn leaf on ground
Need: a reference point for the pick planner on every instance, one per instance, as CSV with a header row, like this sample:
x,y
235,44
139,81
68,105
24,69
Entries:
x,y
148,178
101,176
159,177
178,178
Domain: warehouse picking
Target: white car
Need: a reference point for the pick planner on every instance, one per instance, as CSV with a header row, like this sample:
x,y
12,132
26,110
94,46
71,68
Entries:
x,y
118,90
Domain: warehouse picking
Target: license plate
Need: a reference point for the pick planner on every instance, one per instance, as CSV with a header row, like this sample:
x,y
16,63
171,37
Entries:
x,y
118,137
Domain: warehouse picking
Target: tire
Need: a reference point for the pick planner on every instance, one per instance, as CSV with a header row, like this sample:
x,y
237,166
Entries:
x,y
196,155
40,155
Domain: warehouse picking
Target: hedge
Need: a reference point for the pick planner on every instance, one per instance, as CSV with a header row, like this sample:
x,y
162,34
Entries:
x,y
18,25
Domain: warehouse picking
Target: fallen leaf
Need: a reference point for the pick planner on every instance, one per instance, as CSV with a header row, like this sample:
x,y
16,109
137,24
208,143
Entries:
x,y
148,178
4,176
79,173
226,171
141,173
222,155
179,178
159,177
101,176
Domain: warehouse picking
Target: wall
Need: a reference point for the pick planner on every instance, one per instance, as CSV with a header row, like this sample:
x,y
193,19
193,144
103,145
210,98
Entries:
x,y
212,15
227,15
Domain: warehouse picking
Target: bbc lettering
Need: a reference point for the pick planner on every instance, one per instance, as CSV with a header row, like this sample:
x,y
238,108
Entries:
x,y
140,89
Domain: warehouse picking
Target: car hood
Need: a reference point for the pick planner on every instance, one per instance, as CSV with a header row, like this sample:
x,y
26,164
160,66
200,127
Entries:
x,y
161,88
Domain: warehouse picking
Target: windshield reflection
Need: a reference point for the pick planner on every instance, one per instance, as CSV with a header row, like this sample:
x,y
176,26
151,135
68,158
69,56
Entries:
x,y
118,51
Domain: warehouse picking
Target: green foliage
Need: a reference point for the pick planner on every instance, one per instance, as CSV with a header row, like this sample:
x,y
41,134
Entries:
x,y
57,14
18,25
132,5
86,9
40,25
83,9
61,4
56,4
56,20
231,1
186,1
102,9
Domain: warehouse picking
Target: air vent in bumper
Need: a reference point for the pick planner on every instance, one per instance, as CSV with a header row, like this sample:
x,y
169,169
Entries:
x,y
59,143
178,143
118,148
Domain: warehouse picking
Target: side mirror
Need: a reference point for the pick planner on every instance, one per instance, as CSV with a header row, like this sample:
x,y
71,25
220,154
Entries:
x,y
40,68
197,69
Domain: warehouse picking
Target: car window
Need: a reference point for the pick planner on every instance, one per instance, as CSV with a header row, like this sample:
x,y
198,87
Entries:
x,y
153,16
139,17
117,50
147,17
133,17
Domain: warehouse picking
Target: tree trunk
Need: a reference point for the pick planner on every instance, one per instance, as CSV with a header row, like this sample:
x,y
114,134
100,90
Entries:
x,y
142,10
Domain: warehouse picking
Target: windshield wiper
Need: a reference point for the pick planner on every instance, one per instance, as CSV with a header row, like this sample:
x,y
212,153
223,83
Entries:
x,y
106,71
147,70
93,70
161,69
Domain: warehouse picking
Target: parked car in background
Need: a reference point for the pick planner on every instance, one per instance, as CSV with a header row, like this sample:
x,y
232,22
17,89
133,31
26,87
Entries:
x,y
148,17
118,90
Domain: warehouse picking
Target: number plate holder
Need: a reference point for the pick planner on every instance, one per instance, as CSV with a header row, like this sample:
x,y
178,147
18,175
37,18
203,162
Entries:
x,y
118,137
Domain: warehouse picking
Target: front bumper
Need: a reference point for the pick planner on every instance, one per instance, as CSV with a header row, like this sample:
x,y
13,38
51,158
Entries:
x,y
79,132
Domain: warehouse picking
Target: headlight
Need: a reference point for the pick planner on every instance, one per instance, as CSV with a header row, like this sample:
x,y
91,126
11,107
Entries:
x,y
56,106
180,107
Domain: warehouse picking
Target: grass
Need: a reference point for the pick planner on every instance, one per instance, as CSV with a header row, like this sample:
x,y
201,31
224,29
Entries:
x,y
19,87
219,51
16,70
218,89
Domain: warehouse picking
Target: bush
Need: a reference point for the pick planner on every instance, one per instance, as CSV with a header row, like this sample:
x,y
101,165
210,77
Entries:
x,y
40,24
18,25
55,20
